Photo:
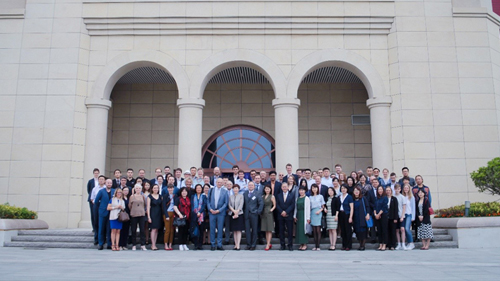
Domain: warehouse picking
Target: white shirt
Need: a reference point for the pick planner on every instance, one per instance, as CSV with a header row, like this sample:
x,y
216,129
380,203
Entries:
x,y
242,183
217,194
95,190
310,182
327,181
407,203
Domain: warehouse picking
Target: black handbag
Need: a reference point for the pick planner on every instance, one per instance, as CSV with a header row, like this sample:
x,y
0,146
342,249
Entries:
x,y
179,222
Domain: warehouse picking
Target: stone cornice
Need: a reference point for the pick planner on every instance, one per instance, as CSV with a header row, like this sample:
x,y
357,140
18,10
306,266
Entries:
x,y
476,12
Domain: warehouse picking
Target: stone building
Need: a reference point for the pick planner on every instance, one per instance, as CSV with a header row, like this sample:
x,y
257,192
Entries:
x,y
144,84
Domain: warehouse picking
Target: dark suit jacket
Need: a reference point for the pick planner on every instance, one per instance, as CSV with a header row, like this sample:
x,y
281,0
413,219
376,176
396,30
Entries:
x,y
101,202
288,206
212,181
255,204
323,190
393,209
115,184
165,203
90,186
277,187
370,196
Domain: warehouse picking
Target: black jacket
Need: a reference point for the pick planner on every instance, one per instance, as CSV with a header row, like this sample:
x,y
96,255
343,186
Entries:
x,y
393,209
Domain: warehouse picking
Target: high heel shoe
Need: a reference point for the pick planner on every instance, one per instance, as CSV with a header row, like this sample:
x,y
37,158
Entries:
x,y
270,247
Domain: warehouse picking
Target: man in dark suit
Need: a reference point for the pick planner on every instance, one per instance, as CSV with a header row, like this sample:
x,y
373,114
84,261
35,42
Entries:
x,y
289,174
142,176
90,185
217,175
234,176
101,205
253,208
371,195
285,206
323,189
116,181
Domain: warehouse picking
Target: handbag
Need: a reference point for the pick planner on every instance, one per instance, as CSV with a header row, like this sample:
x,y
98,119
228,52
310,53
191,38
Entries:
x,y
369,222
179,222
123,216
431,211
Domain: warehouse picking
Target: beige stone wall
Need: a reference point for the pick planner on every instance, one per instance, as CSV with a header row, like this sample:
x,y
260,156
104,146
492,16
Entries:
x,y
326,133
144,127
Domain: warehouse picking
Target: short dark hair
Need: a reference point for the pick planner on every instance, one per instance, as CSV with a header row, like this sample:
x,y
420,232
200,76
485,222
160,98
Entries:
x,y
307,170
393,174
369,167
272,173
326,169
406,178
192,168
338,165
142,170
130,169
178,169
159,176
235,166
241,171
298,170
96,170
376,169
303,188
288,165
237,185
166,167
117,170
405,168
123,178
170,186
102,176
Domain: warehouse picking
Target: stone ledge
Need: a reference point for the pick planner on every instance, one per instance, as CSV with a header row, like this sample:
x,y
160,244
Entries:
x,y
456,223
11,224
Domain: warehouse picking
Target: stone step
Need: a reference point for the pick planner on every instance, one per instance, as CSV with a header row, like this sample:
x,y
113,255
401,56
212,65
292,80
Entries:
x,y
57,232
369,246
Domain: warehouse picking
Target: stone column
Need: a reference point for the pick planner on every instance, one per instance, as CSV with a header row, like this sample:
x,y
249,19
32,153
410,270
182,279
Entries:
x,y
286,119
380,119
95,148
190,132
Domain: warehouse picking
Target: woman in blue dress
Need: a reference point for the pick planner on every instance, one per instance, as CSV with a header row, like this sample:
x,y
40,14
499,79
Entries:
x,y
317,207
361,215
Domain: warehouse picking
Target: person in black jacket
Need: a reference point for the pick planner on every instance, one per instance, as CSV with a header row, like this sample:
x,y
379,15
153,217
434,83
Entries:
x,y
424,227
332,216
361,215
392,218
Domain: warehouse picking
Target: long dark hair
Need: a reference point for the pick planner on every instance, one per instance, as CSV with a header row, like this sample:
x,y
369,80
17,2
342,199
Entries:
x,y
301,181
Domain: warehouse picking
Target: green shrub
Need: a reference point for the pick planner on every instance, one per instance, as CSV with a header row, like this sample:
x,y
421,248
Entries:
x,y
476,210
487,179
13,212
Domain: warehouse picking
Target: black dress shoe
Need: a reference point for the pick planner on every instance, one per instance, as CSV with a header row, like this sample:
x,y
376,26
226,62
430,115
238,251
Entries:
x,y
100,247
212,248
225,243
95,243
252,249
220,249
248,248
282,248
290,248
361,249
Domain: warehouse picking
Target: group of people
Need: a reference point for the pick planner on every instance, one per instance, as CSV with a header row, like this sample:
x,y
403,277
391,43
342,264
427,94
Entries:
x,y
295,206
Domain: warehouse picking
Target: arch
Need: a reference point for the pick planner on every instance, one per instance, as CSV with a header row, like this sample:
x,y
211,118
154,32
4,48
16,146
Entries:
x,y
123,63
237,57
341,58
243,145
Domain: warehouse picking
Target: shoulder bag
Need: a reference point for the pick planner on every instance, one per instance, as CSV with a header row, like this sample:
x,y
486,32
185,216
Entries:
x,y
369,222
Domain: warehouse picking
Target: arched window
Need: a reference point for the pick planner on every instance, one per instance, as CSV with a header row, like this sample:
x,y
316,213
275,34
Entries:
x,y
242,145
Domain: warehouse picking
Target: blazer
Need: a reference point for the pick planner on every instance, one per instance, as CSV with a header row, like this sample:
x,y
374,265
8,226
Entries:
x,y
237,202
116,184
212,180
277,187
425,213
381,205
372,198
323,190
165,203
307,211
101,202
348,199
288,206
393,209
203,204
223,200
90,186
335,206
294,191
254,204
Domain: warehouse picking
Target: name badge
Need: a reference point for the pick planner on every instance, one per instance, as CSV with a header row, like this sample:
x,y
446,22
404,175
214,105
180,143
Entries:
x,y
253,198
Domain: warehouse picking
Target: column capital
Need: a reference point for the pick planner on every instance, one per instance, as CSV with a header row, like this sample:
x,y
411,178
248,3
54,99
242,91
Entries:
x,y
384,101
191,102
98,103
286,102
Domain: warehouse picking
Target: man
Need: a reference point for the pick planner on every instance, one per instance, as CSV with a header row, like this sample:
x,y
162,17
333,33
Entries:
x,y
189,187
116,181
216,176
123,182
406,173
309,179
253,208
155,179
206,180
93,182
392,182
166,171
320,172
187,175
178,178
253,173
263,177
142,175
323,189
241,181
285,206
101,205
299,174
159,180
275,185
198,179
326,180
280,177
369,171
130,178
234,176
228,185
217,206
372,198
338,170
290,174
376,174
101,183
420,185
171,181
257,184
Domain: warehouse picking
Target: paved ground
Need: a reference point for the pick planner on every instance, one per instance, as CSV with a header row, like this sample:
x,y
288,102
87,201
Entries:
x,y
78,264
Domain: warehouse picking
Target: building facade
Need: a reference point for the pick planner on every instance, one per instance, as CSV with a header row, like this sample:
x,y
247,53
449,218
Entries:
x,y
144,84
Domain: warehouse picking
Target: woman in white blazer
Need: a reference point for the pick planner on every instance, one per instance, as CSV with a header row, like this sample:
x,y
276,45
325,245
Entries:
x,y
302,216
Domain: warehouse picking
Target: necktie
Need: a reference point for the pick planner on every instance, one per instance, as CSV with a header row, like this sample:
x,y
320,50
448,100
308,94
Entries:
x,y
250,194
284,196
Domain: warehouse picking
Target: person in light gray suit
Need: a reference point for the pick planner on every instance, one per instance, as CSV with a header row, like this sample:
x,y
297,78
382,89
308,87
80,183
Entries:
x,y
217,207
253,208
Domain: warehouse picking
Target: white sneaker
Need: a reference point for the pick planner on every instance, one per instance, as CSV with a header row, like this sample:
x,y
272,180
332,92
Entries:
x,y
411,246
143,248
399,247
405,248
186,247
133,248
181,247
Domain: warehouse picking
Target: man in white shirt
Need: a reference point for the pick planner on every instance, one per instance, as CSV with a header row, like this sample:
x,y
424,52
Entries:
x,y
187,175
326,180
206,180
309,179
241,181
198,179
166,171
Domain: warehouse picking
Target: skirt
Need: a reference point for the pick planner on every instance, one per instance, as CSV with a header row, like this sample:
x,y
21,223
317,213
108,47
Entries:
x,y
316,219
330,221
237,224
424,231
115,224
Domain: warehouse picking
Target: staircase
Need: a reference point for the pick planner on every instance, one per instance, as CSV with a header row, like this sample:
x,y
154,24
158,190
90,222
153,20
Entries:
x,y
83,239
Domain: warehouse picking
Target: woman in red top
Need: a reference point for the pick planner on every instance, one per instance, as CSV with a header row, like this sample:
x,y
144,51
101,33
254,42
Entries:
x,y
182,208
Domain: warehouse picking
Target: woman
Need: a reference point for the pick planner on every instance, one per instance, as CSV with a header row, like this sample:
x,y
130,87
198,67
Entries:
x,y
342,178
345,218
392,218
137,205
198,207
115,205
409,215
380,213
302,216
354,176
424,227
361,216
303,184
154,214
364,185
125,225
146,190
182,208
237,222
332,210
292,187
206,222
168,213
336,186
317,208
349,184
267,217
